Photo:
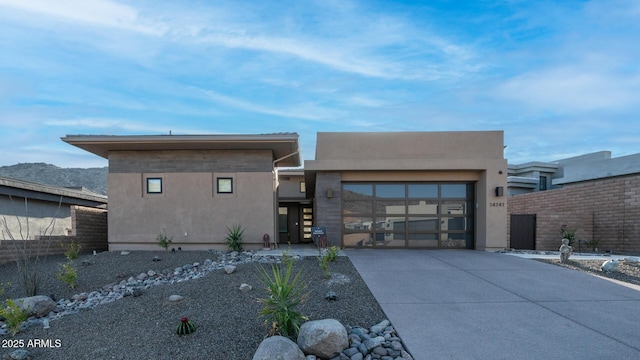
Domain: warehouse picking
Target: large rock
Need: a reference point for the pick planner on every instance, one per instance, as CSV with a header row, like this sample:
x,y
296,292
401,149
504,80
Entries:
x,y
323,338
610,266
278,348
37,306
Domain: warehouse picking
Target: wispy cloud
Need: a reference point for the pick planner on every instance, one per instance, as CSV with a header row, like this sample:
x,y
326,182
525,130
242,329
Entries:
x,y
120,126
306,111
95,12
569,89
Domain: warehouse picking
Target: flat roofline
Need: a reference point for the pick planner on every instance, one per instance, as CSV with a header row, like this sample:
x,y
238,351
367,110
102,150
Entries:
x,y
281,144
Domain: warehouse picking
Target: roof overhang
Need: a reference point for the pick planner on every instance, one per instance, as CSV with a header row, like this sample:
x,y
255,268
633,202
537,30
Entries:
x,y
284,146
29,190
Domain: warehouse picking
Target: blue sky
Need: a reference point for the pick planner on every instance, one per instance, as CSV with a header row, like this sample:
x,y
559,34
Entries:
x,y
561,78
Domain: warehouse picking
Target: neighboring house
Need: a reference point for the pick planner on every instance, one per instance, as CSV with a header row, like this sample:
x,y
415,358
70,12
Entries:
x,y
541,176
404,189
28,209
37,219
595,195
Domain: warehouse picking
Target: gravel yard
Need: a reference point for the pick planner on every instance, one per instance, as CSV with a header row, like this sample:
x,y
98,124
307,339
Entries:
x,y
629,273
143,327
228,326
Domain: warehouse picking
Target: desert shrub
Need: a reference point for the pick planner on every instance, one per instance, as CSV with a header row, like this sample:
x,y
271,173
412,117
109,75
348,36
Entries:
x,y
284,292
325,257
14,316
71,250
164,241
568,234
67,274
332,253
234,238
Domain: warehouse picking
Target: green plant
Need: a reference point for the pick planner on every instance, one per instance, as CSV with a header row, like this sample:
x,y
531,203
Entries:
x,y
325,257
67,274
287,257
568,234
14,316
332,253
71,250
164,241
285,291
593,244
3,287
185,327
234,238
323,260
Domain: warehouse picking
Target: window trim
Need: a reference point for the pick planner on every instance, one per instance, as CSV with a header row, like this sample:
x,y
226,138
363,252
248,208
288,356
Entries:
x,y
218,179
160,181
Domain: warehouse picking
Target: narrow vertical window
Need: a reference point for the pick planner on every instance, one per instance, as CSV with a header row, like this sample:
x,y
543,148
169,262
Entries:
x,y
154,185
543,183
303,187
225,185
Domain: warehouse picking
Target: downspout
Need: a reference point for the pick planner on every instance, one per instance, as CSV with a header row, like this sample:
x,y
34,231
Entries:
x,y
275,196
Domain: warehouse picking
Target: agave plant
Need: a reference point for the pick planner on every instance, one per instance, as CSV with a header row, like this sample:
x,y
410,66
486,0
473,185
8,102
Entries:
x,y
185,327
285,291
234,238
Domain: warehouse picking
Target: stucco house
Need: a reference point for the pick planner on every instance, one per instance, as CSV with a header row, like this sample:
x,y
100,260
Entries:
x,y
191,187
392,189
410,189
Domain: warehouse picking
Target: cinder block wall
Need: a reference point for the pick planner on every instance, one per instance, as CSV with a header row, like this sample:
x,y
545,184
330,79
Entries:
x,y
607,210
89,230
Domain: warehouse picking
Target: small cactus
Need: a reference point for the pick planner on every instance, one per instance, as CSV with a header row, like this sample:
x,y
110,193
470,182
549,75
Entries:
x,y
185,327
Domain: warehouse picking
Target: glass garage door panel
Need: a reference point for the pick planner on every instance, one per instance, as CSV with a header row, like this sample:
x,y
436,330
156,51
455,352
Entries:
x,y
424,215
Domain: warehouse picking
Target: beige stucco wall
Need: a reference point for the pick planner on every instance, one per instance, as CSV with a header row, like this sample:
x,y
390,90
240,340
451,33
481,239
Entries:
x,y
474,156
189,210
289,186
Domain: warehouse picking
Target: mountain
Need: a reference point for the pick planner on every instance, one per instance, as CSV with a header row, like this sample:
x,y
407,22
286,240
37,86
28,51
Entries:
x,y
94,179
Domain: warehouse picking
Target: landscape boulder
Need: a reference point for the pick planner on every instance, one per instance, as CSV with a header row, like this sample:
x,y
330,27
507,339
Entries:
x,y
38,306
323,338
278,348
610,266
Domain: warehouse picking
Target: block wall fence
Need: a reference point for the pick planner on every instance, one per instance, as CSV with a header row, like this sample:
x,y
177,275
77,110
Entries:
x,y
89,229
607,210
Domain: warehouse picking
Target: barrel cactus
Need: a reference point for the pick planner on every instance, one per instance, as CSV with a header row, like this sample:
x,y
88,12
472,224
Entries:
x,y
185,327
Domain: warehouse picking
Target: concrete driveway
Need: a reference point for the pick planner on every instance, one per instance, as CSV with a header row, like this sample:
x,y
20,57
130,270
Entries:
x,y
463,304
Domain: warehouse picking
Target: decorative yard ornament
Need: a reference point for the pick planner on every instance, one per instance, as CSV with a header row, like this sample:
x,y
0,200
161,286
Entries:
x,y
565,250
185,327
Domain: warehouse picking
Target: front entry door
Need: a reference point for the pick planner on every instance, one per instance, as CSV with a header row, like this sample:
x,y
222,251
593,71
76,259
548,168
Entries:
x,y
289,224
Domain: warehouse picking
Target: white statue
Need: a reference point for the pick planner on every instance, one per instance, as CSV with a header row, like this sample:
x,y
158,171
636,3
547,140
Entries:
x,y
565,251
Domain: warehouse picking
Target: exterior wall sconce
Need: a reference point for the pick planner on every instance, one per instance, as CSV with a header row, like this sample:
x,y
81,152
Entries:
x,y
329,193
499,191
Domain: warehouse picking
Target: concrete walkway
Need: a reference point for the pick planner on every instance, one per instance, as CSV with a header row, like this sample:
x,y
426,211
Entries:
x,y
462,304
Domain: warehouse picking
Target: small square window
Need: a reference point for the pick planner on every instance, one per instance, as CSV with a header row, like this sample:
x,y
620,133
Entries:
x,y
225,185
303,187
154,185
